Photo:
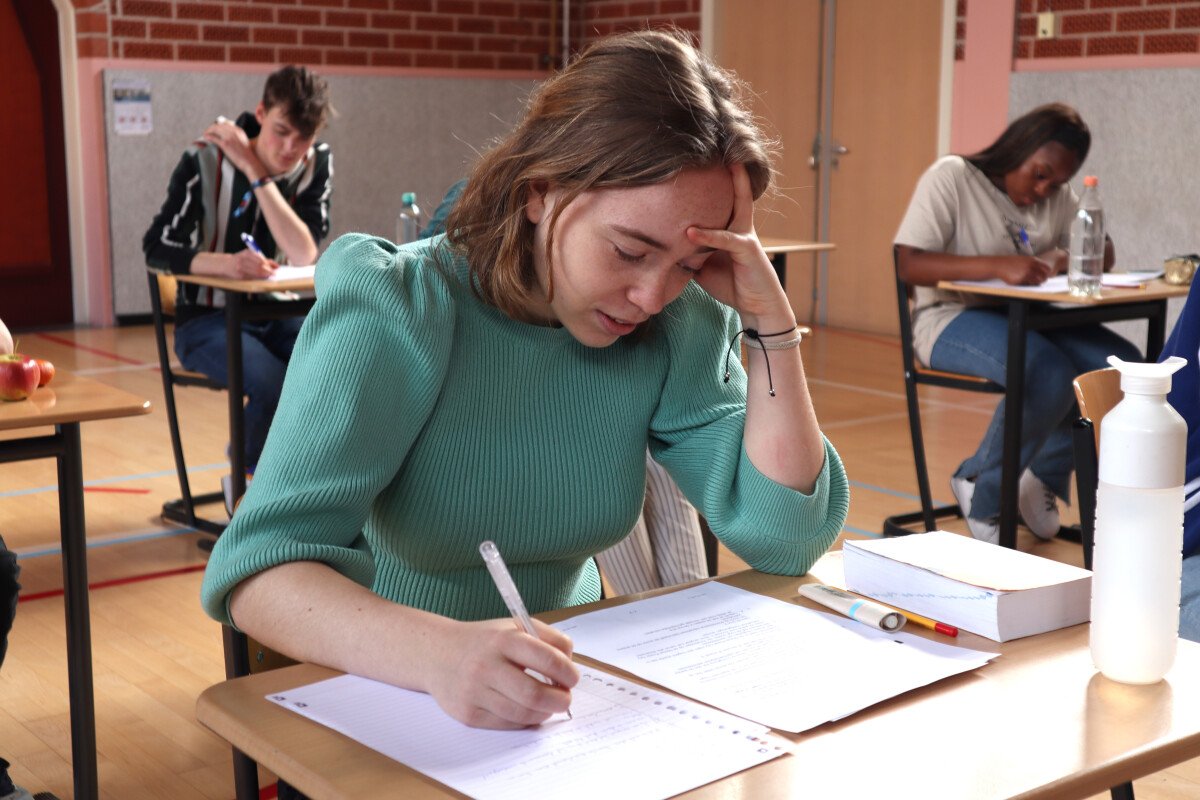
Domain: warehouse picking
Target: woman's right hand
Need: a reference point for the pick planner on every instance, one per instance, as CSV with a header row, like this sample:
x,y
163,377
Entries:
x,y
249,265
1023,270
480,678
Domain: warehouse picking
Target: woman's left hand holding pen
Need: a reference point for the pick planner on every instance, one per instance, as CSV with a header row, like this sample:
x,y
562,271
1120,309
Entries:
x,y
479,677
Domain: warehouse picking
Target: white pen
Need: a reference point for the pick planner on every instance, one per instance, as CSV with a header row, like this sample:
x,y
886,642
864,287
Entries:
x,y
512,598
855,607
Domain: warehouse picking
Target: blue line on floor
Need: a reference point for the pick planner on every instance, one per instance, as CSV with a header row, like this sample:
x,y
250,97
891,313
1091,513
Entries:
x,y
872,488
861,532
119,479
157,533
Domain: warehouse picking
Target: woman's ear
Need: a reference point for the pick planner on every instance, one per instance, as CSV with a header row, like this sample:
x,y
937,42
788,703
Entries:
x,y
535,200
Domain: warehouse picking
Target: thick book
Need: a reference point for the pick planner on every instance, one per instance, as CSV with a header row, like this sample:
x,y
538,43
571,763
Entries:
x,y
983,588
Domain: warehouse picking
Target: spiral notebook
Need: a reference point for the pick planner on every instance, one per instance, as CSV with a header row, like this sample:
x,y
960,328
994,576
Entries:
x,y
625,740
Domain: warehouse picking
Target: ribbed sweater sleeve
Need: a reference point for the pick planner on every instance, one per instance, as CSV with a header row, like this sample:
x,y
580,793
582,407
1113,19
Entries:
x,y
365,372
697,434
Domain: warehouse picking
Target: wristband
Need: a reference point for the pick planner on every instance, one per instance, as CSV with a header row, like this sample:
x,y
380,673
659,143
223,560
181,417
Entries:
x,y
254,186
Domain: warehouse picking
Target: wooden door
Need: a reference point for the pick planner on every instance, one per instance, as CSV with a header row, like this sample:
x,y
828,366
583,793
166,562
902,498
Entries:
x,y
885,113
884,106
775,46
35,262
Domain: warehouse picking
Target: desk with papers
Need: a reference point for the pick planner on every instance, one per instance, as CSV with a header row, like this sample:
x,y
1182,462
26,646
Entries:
x,y
1037,722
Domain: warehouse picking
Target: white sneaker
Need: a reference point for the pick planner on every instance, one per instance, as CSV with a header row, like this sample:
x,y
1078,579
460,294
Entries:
x,y
986,530
1038,506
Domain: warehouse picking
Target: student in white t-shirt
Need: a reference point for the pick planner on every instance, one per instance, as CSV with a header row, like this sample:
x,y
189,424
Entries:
x,y
1005,213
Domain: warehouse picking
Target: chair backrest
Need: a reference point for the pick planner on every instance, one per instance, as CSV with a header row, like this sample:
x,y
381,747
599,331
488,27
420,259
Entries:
x,y
913,369
1097,392
167,287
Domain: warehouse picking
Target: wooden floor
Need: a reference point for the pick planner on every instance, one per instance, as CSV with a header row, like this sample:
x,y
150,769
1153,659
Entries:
x,y
154,650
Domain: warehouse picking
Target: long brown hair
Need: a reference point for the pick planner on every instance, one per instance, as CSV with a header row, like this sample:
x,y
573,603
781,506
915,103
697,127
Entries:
x,y
632,110
1053,122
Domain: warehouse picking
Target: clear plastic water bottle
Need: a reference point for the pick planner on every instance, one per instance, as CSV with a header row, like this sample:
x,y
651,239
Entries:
x,y
1087,242
1139,527
409,220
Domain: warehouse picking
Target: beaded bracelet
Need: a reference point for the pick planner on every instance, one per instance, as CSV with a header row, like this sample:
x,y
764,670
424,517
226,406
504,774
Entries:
x,y
759,344
755,339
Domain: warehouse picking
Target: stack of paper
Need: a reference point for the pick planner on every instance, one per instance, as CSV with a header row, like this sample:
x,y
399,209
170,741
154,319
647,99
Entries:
x,y
979,587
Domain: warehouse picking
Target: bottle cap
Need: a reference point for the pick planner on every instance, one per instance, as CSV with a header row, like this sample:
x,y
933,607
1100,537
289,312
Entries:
x,y
1141,378
408,198
1091,180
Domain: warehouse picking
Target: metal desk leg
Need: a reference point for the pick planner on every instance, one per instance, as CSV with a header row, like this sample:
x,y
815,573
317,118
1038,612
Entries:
x,y
75,601
1156,327
1014,407
237,663
237,412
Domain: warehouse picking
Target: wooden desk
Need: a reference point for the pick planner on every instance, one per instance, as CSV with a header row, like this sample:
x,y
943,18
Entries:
x,y
1030,310
66,402
240,307
1038,722
778,250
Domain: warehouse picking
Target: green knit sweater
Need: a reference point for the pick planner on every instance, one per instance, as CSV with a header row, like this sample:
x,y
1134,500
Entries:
x,y
417,422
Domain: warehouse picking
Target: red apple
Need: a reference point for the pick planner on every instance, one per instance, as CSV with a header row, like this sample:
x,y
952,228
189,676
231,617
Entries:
x,y
19,376
47,371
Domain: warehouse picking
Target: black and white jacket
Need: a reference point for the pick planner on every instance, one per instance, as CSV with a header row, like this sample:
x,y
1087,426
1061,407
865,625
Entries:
x,y
197,216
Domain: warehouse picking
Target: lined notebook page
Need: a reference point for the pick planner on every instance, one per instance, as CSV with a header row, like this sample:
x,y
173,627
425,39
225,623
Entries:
x,y
625,740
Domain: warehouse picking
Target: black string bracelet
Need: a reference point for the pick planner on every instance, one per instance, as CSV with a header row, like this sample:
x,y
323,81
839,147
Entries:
x,y
752,333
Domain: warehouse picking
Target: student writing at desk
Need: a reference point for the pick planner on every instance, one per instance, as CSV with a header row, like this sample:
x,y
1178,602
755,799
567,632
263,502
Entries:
x,y
1005,212
503,383
265,176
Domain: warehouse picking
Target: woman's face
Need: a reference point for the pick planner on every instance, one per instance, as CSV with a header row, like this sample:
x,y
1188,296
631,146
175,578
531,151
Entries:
x,y
1050,166
621,255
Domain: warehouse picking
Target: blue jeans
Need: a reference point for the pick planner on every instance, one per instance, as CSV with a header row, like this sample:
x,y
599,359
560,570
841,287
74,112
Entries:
x,y
1189,604
266,347
976,343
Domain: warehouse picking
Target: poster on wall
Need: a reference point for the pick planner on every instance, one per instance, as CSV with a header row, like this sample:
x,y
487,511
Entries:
x,y
131,107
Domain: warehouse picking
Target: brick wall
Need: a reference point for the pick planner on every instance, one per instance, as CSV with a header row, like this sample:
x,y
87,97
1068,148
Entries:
x,y
1109,28
602,17
447,34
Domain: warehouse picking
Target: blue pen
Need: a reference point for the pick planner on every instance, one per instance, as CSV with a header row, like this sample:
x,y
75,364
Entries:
x,y
253,245
1024,241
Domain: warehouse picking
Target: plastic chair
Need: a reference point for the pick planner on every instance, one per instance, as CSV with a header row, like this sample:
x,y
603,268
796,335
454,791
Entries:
x,y
183,509
1097,392
915,375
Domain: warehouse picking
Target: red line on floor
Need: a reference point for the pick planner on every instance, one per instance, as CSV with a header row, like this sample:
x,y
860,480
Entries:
x,y
85,348
149,576
115,490
268,792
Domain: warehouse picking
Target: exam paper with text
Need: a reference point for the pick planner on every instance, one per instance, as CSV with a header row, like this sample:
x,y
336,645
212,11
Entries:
x,y
770,661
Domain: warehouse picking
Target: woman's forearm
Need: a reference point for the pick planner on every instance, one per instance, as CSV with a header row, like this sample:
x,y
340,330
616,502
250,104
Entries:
x,y
311,612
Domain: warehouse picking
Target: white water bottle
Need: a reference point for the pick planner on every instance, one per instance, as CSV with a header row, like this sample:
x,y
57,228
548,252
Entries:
x,y
1137,560
409,220
1086,250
